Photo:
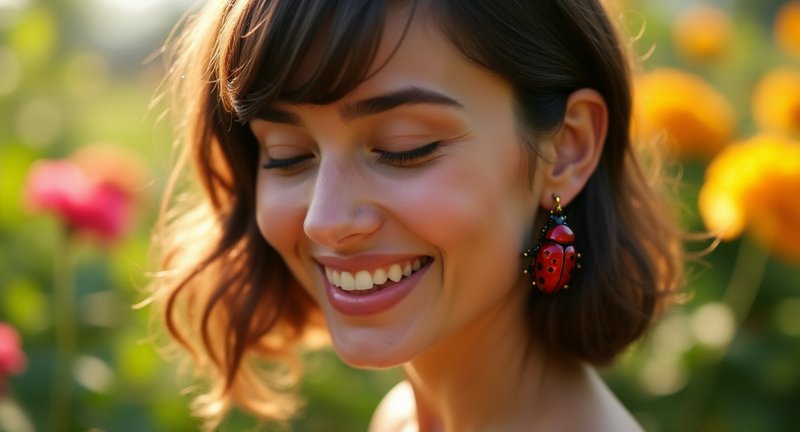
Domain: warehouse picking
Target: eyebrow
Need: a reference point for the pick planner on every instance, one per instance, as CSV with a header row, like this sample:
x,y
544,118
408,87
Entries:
x,y
370,106
389,101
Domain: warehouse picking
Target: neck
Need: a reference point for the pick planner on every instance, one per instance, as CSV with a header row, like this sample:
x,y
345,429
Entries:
x,y
483,376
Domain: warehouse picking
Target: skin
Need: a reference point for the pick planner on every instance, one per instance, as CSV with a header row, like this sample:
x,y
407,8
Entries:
x,y
472,363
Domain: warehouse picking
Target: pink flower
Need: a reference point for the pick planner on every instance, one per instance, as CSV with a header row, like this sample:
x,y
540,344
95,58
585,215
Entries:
x,y
86,205
12,359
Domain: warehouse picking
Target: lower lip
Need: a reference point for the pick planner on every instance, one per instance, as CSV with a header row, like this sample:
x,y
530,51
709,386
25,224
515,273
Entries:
x,y
374,302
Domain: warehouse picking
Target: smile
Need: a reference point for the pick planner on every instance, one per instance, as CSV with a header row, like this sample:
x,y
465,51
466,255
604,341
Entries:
x,y
364,280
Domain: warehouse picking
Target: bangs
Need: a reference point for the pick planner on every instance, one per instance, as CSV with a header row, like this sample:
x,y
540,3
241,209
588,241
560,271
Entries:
x,y
264,47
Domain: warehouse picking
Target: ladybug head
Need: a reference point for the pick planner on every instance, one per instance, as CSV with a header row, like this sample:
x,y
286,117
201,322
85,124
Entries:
x,y
558,219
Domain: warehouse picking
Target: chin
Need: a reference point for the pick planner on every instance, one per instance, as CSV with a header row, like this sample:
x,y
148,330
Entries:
x,y
371,356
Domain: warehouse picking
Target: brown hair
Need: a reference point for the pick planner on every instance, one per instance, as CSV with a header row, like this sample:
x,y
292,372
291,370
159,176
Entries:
x,y
230,300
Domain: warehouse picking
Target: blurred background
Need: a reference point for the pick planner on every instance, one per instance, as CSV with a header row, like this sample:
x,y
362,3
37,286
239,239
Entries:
x,y
83,158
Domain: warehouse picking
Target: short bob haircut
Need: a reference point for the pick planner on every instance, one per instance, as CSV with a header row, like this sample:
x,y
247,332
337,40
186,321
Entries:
x,y
228,298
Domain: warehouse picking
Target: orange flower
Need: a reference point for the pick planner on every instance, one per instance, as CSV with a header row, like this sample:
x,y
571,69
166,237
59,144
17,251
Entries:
x,y
787,28
697,120
776,101
702,32
755,185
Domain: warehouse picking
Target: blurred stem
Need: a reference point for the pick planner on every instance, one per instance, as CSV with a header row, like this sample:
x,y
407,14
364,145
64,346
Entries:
x,y
743,285
65,329
748,271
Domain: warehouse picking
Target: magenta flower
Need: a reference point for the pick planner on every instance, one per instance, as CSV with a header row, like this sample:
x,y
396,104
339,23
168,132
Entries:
x,y
93,192
12,359
85,204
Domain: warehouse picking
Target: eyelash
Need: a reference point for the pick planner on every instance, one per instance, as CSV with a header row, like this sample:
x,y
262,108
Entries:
x,y
287,163
404,158
409,157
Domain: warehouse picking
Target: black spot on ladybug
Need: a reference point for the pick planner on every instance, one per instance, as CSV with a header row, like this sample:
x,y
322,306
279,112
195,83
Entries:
x,y
572,257
550,269
541,280
547,253
555,261
539,266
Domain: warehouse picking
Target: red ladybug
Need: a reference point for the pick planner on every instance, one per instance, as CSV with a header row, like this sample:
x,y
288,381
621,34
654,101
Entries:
x,y
554,260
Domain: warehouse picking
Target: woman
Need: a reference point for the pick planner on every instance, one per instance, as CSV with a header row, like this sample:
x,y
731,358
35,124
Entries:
x,y
376,169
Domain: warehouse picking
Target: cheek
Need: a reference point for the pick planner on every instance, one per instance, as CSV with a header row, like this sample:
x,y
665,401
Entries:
x,y
484,219
279,214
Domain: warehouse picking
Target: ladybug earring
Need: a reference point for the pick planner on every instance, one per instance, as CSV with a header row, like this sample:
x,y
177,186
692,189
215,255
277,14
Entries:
x,y
554,260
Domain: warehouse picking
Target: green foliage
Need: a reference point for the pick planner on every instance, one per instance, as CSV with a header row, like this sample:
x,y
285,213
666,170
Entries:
x,y
60,91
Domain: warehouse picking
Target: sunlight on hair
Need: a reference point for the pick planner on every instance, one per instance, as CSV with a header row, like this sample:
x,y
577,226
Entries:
x,y
712,324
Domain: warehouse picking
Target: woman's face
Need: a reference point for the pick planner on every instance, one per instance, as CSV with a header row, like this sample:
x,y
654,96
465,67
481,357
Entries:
x,y
403,207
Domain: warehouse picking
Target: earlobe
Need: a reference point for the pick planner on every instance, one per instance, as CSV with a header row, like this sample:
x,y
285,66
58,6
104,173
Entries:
x,y
578,145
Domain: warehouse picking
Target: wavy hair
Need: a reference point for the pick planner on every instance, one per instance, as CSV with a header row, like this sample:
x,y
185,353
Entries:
x,y
226,296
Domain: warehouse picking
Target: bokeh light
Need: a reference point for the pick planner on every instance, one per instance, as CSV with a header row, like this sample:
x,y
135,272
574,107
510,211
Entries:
x,y
702,32
717,86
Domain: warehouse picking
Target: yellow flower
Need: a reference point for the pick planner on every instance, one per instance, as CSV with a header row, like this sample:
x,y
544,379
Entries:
x,y
776,101
702,32
696,119
787,28
755,185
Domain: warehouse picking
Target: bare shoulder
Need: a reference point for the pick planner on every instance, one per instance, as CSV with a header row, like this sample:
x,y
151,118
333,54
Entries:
x,y
396,412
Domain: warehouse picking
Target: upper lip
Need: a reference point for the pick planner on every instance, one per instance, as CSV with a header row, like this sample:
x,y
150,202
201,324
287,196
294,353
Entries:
x,y
368,262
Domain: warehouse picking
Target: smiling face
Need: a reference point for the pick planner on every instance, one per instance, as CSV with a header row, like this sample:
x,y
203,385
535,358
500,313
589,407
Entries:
x,y
403,207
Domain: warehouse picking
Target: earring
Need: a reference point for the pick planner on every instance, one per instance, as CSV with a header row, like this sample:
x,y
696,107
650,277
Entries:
x,y
554,259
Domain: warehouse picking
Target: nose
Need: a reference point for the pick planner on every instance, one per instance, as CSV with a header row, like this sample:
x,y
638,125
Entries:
x,y
340,211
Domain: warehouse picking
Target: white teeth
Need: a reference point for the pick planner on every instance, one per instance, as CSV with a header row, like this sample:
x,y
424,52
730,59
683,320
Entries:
x,y
363,280
379,277
395,273
348,281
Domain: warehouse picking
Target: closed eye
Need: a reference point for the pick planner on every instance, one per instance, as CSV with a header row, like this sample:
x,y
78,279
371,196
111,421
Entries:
x,y
409,157
286,163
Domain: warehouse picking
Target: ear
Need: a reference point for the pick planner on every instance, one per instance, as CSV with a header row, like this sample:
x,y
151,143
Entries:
x,y
577,146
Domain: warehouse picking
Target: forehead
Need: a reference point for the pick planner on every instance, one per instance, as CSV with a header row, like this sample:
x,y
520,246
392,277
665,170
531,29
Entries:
x,y
414,53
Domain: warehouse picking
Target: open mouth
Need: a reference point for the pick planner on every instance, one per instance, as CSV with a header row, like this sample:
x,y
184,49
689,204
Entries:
x,y
368,281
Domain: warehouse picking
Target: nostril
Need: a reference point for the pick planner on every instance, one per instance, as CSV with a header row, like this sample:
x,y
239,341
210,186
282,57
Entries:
x,y
339,227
